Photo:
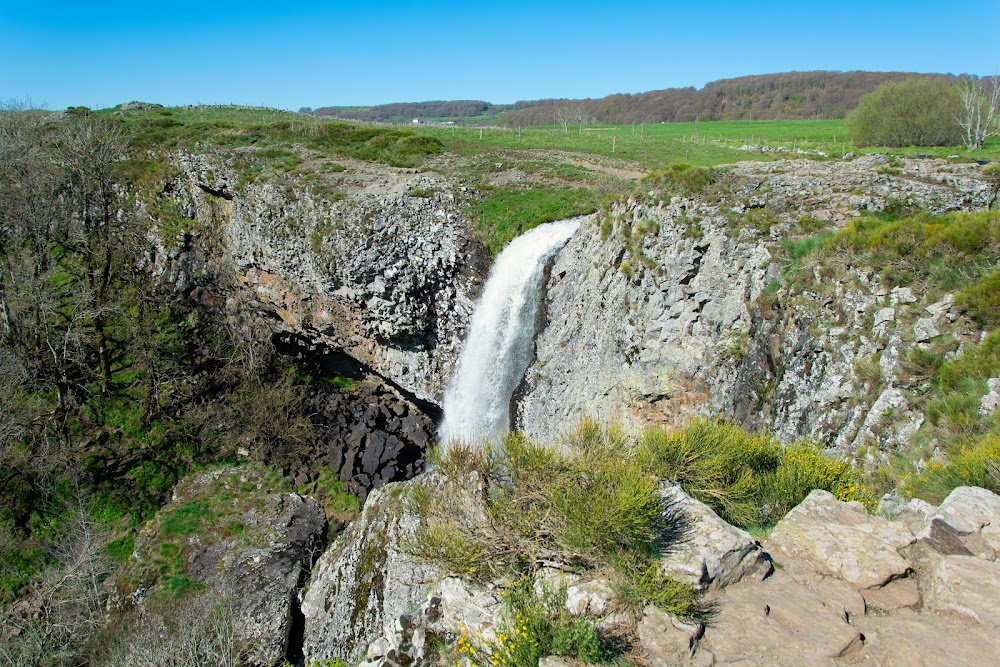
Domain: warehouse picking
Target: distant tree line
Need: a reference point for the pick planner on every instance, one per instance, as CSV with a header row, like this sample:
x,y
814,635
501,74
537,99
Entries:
x,y
788,96
387,112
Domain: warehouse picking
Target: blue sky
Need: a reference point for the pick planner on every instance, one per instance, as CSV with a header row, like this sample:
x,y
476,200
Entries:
x,y
294,54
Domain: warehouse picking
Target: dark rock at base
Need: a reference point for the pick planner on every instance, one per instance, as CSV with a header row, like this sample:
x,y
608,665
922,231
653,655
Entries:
x,y
370,436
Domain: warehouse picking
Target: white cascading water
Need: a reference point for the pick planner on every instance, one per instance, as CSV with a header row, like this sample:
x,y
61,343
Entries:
x,y
498,346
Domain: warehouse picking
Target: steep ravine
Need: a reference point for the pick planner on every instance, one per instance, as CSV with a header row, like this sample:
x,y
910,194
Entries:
x,y
660,309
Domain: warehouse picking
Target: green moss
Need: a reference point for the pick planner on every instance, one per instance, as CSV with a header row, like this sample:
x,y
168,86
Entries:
x,y
369,582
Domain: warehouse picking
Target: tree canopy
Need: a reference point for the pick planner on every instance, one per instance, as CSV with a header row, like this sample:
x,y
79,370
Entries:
x,y
914,112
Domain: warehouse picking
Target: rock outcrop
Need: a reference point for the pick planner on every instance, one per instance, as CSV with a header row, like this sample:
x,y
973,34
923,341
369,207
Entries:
x,y
370,436
659,310
841,540
708,553
384,276
849,589
251,550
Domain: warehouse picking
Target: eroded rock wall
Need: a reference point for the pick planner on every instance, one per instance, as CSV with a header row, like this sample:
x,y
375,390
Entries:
x,y
661,310
387,277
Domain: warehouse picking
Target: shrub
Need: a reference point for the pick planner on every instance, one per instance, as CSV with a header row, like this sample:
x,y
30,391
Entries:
x,y
588,504
977,362
948,252
982,299
535,625
716,462
683,178
913,112
749,479
975,465
803,468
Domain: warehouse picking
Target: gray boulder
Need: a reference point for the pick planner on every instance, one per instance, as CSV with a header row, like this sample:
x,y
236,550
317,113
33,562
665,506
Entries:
x,y
973,513
967,586
840,539
777,622
709,552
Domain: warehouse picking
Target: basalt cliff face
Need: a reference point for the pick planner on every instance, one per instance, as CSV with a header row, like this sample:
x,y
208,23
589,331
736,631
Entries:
x,y
668,307
660,308
384,276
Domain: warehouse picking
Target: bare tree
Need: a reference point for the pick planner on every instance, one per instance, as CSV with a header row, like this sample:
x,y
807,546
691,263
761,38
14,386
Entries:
x,y
979,111
196,632
563,116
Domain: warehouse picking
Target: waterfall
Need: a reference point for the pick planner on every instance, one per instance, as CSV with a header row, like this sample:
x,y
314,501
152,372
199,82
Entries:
x,y
499,343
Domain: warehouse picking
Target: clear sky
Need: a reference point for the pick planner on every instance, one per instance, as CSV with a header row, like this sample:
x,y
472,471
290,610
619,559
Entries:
x,y
303,53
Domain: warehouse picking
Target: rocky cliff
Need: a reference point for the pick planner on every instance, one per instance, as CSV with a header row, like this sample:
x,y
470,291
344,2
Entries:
x,y
384,269
849,588
664,307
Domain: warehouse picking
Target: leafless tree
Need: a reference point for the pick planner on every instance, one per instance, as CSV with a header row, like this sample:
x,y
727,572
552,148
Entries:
x,y
579,115
563,116
980,104
197,632
65,607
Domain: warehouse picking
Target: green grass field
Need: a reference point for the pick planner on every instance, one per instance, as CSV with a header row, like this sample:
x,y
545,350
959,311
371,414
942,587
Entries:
x,y
560,171
645,146
703,144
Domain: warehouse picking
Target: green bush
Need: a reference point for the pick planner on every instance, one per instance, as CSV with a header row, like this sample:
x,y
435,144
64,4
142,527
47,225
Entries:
x,y
804,467
913,112
948,252
749,479
717,463
683,179
982,299
975,465
534,626
977,362
588,504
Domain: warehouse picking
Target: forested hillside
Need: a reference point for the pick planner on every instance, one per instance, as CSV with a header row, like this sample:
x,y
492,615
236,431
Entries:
x,y
404,111
786,96
791,96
